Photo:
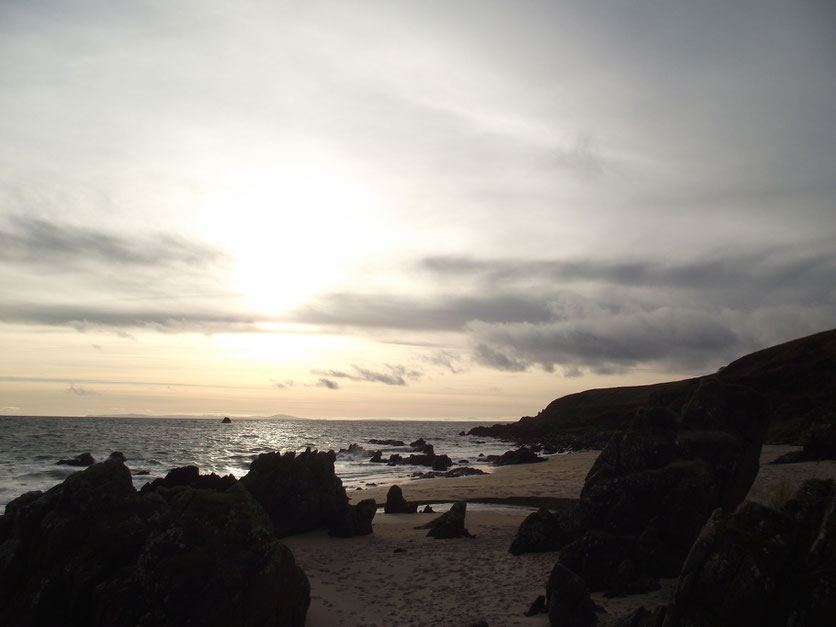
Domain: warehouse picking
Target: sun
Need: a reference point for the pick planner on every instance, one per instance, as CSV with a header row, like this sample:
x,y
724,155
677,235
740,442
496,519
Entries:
x,y
293,230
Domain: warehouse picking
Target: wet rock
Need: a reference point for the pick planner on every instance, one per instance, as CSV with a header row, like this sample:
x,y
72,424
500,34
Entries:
x,y
567,599
92,550
226,420
450,524
299,492
418,444
355,450
386,442
377,458
428,509
356,520
397,504
84,459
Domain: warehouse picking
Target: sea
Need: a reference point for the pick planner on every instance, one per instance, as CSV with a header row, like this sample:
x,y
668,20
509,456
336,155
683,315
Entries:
x,y
30,446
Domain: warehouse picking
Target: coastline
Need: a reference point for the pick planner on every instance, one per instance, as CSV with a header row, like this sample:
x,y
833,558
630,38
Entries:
x,y
363,581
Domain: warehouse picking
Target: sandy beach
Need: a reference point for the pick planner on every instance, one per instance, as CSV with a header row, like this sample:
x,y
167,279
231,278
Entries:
x,y
398,576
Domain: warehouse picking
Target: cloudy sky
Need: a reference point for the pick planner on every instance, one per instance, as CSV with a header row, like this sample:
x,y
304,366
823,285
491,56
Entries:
x,y
405,209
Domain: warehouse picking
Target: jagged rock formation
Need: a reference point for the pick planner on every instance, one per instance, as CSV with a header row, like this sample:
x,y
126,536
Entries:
x,y
92,550
397,504
651,490
299,492
356,520
450,524
760,566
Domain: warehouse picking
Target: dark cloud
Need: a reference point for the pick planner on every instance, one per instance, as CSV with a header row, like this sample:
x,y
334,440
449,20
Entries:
x,y
487,356
62,247
327,383
87,317
395,376
437,314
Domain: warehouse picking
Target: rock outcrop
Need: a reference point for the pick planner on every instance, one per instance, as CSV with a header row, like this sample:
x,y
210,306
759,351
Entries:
x,y
226,420
522,455
819,443
450,524
92,550
397,504
356,520
83,459
299,492
760,566
567,599
189,476
653,487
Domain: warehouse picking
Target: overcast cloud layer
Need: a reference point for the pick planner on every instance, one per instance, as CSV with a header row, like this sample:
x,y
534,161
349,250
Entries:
x,y
508,187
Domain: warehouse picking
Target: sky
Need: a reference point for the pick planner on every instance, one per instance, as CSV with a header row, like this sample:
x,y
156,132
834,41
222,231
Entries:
x,y
426,209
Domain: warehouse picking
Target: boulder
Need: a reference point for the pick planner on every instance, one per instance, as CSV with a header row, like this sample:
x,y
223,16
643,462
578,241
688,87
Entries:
x,y
819,443
386,442
300,492
356,520
83,459
760,566
92,550
540,531
397,504
568,600
226,420
522,455
450,524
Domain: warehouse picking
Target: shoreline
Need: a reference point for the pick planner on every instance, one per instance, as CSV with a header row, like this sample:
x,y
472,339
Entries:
x,y
364,581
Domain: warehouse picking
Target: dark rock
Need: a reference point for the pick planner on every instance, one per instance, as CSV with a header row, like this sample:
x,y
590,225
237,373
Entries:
x,y
541,531
142,472
567,599
92,550
189,476
819,443
377,458
537,607
418,444
427,509
650,491
299,492
356,520
462,433
226,420
399,550
464,461
387,442
465,471
478,623
450,524
84,459
760,566
397,504
522,455
355,450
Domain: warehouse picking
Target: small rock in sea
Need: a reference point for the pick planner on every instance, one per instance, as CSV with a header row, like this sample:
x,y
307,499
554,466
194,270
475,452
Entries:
x,y
371,484
141,472
481,454
399,550
386,442
462,433
226,420
358,488
464,461
84,459
427,509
